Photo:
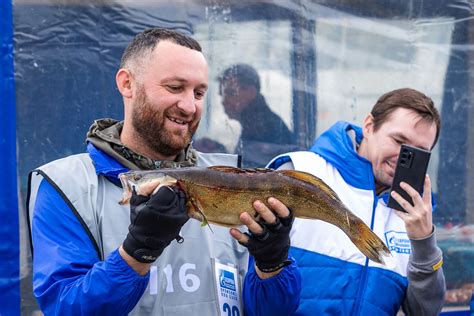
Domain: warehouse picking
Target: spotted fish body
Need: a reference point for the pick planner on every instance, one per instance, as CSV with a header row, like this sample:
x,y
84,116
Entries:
x,y
220,194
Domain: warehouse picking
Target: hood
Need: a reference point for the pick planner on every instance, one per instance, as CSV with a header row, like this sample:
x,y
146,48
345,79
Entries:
x,y
105,164
338,146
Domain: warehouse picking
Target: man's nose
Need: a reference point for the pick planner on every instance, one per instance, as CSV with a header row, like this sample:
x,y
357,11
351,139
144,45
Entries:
x,y
187,104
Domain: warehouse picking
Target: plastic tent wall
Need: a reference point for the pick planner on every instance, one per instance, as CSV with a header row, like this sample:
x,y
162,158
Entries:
x,y
319,61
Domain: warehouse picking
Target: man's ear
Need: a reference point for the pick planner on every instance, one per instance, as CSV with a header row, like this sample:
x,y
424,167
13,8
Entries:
x,y
368,125
124,80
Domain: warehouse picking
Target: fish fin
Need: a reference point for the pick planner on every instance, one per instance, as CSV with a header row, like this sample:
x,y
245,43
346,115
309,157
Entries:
x,y
226,169
258,170
127,191
310,179
240,170
198,207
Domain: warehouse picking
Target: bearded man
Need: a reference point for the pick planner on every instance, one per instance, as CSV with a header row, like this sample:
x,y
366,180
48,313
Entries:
x,y
93,256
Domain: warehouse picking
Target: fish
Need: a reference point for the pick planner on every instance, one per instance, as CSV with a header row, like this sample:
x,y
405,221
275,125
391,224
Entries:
x,y
219,194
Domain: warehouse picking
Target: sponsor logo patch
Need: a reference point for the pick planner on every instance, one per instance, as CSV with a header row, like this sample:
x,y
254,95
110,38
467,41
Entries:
x,y
398,242
227,280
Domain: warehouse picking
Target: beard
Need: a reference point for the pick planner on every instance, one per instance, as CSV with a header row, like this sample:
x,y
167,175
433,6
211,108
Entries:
x,y
149,123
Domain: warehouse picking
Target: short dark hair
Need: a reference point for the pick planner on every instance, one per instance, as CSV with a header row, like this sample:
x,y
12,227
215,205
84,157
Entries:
x,y
146,41
409,99
244,73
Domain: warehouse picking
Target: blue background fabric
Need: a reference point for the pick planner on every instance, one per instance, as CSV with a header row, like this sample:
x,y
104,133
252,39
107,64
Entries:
x,y
9,229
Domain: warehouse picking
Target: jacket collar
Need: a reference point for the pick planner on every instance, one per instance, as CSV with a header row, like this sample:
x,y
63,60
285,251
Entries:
x,y
104,134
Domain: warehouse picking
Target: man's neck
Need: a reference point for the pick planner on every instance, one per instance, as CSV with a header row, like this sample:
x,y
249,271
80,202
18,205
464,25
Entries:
x,y
379,188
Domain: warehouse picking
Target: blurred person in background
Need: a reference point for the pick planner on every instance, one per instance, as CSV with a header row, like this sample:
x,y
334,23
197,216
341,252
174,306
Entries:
x,y
264,134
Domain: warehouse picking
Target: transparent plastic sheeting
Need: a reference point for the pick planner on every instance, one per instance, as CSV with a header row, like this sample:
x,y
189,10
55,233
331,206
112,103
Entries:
x,y
317,61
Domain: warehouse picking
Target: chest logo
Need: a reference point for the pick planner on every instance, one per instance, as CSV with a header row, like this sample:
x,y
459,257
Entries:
x,y
227,280
398,242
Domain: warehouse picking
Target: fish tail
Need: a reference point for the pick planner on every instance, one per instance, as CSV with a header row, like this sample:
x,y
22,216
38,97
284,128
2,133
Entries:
x,y
368,242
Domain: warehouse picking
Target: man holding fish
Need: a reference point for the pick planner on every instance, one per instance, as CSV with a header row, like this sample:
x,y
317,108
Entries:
x,y
358,163
95,256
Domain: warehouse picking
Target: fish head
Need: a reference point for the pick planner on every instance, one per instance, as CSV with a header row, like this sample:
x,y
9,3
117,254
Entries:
x,y
143,182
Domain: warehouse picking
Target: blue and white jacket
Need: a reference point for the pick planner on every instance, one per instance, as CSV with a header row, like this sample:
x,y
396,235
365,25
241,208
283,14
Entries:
x,y
337,279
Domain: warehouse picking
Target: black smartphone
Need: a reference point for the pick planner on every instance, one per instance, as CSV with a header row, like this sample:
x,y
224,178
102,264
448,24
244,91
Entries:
x,y
411,168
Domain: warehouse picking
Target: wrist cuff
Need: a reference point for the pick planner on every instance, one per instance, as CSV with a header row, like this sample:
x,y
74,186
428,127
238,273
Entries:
x,y
425,250
273,269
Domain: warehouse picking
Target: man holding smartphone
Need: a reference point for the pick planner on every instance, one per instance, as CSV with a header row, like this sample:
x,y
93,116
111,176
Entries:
x,y
358,163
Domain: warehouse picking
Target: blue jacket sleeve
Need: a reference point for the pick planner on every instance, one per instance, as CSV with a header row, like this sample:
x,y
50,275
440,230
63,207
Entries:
x,y
68,276
279,295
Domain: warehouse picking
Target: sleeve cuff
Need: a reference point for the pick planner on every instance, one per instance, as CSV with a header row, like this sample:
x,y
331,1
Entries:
x,y
425,250
118,265
288,270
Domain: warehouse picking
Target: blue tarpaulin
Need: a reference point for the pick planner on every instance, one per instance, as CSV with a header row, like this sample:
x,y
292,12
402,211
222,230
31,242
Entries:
x,y
9,234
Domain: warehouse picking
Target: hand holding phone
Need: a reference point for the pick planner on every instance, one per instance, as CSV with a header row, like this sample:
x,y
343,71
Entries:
x,y
411,168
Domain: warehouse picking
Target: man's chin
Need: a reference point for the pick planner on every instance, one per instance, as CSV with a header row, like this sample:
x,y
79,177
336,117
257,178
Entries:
x,y
180,143
387,183
384,181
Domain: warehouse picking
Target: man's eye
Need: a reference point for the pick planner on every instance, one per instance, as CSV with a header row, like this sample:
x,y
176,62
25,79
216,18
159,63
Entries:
x,y
174,88
199,94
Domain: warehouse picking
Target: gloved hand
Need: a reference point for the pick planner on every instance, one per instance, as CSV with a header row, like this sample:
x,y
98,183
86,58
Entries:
x,y
270,248
155,222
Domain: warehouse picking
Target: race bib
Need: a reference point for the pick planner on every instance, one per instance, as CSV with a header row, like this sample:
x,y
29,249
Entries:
x,y
228,291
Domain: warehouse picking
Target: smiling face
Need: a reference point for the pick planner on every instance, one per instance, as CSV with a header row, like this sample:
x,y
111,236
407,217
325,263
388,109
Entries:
x,y
165,106
381,147
167,132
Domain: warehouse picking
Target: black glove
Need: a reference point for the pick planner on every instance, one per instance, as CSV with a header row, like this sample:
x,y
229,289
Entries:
x,y
270,248
155,222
